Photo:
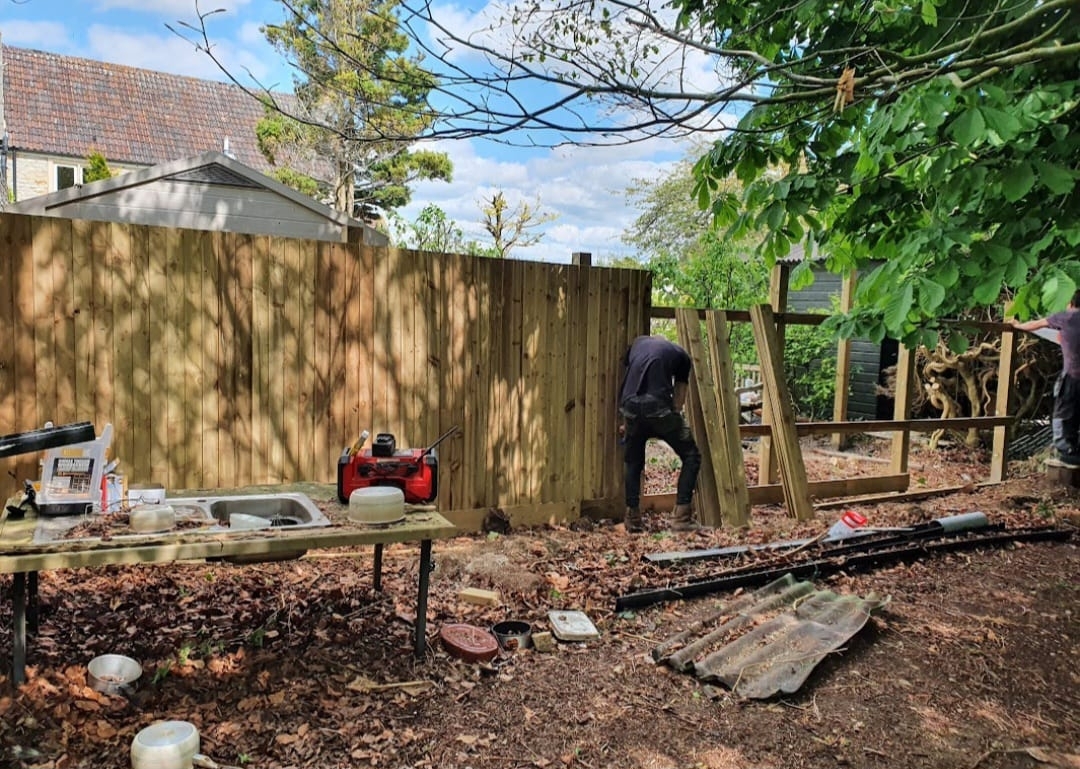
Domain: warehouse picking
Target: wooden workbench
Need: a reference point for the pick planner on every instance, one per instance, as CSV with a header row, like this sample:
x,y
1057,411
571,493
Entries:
x,y
20,556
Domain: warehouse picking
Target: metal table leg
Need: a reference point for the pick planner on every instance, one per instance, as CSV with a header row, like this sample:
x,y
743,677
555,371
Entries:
x,y
18,629
378,567
421,598
33,612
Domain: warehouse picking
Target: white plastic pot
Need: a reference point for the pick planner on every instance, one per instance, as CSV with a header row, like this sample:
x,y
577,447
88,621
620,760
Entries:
x,y
165,745
247,522
377,505
147,519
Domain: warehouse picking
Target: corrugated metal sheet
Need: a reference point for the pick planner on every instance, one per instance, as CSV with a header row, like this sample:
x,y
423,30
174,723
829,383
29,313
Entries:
x,y
769,641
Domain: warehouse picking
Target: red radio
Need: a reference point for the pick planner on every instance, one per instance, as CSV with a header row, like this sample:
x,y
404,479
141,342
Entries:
x,y
414,471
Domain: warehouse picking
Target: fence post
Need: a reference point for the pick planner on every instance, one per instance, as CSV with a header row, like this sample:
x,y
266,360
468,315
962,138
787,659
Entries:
x,y
905,383
843,364
778,298
581,259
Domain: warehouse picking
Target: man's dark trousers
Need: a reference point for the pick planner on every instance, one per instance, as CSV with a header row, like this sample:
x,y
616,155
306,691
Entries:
x,y
1066,420
649,417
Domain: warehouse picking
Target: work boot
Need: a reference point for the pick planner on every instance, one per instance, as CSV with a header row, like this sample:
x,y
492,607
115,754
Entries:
x,y
684,519
633,521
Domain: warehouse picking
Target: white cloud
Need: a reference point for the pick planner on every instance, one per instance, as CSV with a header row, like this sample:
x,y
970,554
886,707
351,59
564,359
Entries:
x,y
44,35
171,7
585,186
171,53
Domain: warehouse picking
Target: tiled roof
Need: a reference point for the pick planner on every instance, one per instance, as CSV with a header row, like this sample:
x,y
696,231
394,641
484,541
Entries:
x,y
64,105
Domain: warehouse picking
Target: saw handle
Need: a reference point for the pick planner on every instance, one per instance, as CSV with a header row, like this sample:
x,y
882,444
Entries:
x,y
438,440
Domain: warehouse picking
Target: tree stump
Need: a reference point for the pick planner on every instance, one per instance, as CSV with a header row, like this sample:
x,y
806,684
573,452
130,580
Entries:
x,y
1061,473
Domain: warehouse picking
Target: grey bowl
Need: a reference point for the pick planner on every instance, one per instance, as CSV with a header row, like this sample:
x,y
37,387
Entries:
x,y
113,674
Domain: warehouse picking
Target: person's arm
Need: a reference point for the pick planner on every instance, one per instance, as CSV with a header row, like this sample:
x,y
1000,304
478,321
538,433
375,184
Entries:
x,y
1031,325
680,395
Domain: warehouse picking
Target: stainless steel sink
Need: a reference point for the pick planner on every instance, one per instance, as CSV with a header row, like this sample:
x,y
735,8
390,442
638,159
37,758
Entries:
x,y
292,510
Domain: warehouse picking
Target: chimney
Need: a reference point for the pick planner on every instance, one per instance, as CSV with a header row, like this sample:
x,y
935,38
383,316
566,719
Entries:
x,y
226,151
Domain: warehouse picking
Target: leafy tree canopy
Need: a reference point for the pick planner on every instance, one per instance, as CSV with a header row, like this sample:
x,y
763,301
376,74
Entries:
x,y
97,168
940,137
360,104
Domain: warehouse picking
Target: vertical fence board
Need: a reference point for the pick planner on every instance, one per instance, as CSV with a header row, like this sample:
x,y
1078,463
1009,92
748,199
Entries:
x,y
64,323
222,245
30,414
194,378
174,345
158,333
136,465
310,461
292,353
123,280
241,289
210,391
44,319
83,332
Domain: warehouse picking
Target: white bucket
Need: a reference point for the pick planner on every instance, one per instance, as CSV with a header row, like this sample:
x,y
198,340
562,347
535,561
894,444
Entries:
x,y
165,745
377,505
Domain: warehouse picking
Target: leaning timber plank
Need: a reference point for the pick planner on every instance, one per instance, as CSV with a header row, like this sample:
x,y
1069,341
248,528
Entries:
x,y
999,453
773,493
789,454
884,425
904,496
734,482
708,491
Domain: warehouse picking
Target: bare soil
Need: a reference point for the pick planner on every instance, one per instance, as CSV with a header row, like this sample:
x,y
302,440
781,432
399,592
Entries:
x,y
973,663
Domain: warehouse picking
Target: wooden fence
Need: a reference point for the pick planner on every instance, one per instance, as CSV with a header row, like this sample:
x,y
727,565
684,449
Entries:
x,y
225,360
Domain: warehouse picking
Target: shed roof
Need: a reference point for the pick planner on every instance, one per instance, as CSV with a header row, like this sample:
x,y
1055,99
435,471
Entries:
x,y
209,168
69,106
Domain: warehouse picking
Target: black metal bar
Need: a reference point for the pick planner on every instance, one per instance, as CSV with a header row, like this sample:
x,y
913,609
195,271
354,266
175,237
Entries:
x,y
421,599
18,629
378,567
33,610
830,564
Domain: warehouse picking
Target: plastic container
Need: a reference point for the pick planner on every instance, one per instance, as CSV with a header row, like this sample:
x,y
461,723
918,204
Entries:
x,y
847,526
147,519
242,522
165,745
468,642
377,505
112,673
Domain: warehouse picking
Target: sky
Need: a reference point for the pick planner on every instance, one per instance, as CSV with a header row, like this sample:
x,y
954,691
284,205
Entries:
x,y
583,186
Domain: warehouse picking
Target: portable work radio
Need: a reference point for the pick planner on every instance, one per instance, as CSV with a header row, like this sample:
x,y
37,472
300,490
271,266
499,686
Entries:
x,y
414,471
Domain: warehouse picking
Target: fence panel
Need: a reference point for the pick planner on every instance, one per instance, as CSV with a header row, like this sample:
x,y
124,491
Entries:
x,y
224,359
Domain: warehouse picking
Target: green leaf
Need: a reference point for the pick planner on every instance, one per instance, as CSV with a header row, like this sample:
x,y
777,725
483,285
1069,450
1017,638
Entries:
x,y
898,306
1016,272
958,343
947,274
929,13
969,127
1058,291
802,276
1058,180
1017,182
931,295
988,289
1004,124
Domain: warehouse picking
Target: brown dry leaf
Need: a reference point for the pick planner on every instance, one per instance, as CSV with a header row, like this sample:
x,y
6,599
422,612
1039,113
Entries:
x,y
105,730
558,581
467,739
1055,759
303,730
277,698
286,739
87,705
248,703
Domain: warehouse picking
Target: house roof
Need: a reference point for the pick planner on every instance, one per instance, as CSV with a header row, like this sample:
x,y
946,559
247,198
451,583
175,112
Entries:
x,y
63,105
209,168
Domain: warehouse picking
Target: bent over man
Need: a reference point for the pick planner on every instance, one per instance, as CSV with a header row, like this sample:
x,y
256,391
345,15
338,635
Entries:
x,y
651,400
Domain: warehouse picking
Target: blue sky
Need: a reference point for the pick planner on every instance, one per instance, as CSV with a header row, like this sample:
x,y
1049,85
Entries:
x,y
583,186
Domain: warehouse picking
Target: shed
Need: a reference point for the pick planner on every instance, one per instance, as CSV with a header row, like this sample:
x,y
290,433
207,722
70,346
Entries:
x,y
211,192
868,360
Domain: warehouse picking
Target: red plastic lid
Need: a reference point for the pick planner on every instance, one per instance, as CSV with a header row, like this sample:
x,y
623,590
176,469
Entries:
x,y
468,642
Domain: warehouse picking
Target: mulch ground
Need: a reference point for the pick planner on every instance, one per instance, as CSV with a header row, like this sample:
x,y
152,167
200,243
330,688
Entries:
x,y
972,664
